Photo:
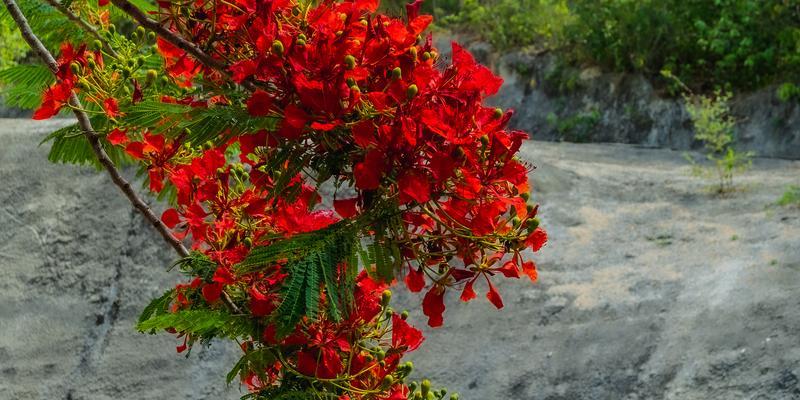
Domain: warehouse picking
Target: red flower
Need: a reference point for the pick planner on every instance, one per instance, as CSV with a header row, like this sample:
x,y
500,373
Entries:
x,y
117,137
414,186
259,103
53,99
537,239
405,335
415,280
111,107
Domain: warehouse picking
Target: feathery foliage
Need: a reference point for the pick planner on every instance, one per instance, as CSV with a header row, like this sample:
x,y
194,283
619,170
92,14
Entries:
x,y
201,324
22,85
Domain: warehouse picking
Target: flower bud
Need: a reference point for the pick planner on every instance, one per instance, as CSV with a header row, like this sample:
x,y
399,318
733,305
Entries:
x,y
498,112
247,242
455,396
387,381
417,396
140,33
208,145
151,36
300,42
112,29
350,82
277,48
525,196
397,73
164,80
413,52
425,387
485,140
97,45
412,91
350,61
404,314
380,355
515,221
75,68
302,37
150,77
533,223
530,208
426,56
386,297
430,396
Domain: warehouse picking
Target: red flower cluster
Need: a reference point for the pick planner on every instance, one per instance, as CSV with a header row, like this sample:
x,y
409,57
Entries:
x,y
363,102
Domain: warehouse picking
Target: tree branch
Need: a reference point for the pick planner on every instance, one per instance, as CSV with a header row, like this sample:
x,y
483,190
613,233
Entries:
x,y
176,40
97,146
91,30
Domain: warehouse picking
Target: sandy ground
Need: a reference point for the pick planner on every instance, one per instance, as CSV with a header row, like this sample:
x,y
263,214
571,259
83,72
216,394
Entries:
x,y
651,288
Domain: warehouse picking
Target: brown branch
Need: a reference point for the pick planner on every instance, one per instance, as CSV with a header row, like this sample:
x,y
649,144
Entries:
x,y
96,144
90,29
177,40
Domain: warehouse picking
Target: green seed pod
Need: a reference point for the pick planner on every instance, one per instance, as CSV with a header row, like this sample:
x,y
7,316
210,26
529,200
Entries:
x,y
277,48
386,297
139,61
412,91
349,61
442,392
498,112
397,73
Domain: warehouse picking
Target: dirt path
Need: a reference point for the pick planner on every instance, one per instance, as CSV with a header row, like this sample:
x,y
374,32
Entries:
x,y
650,288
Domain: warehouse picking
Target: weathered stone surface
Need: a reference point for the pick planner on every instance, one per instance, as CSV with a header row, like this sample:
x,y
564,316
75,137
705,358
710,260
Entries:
x,y
650,288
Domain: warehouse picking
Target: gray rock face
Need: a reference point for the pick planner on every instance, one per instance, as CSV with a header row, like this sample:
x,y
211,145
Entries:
x,y
650,288
558,103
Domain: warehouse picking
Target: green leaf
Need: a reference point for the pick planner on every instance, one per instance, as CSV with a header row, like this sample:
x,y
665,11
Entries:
x,y
203,324
158,306
22,85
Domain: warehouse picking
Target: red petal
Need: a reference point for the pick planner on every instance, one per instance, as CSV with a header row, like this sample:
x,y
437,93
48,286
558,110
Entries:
x,y
170,218
405,335
510,270
433,306
117,137
529,268
346,207
468,293
415,280
494,296
414,185
258,105
212,292
537,239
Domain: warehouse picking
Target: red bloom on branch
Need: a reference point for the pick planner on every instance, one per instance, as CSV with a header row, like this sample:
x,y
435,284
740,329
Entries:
x,y
433,306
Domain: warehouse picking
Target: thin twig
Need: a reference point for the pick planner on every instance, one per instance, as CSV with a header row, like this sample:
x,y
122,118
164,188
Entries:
x,y
89,28
97,147
177,40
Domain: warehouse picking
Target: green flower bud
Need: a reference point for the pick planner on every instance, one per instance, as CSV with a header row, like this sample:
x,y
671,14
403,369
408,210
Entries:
x,y
97,45
151,36
525,196
208,145
426,387
386,297
140,33
112,29
349,61
413,52
417,396
75,68
412,91
164,80
426,56
533,223
350,82
397,73
430,396
150,77
277,48
387,381
404,314
302,37
515,221
485,140
455,396
530,208
380,355
300,42
498,112
247,242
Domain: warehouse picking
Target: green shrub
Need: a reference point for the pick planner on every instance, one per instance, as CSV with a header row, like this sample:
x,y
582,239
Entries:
x,y
729,44
714,126
791,197
514,23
